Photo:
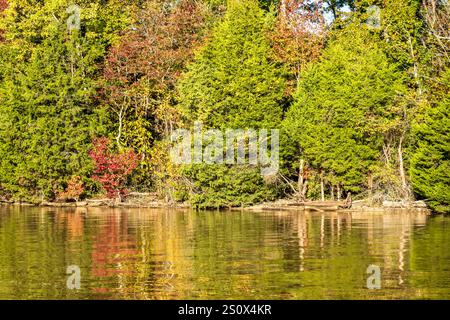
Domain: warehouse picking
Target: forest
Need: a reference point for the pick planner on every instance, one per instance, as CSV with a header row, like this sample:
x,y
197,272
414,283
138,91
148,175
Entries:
x,y
91,91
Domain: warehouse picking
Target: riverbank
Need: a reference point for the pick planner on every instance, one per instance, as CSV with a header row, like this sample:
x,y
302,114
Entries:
x,y
133,200
321,206
149,200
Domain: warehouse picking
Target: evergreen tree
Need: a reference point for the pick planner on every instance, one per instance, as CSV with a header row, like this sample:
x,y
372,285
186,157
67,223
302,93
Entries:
x,y
47,95
430,165
233,83
344,106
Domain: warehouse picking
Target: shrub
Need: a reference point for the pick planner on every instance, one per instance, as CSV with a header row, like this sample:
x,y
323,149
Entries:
x,y
112,168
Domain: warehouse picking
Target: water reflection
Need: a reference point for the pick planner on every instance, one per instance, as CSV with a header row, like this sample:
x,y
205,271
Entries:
x,y
169,254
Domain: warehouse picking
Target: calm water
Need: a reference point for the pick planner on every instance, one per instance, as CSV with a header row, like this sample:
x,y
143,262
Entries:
x,y
167,254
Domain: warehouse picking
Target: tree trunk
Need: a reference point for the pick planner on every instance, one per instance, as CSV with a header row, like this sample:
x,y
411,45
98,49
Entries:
x,y
415,68
401,168
305,188
119,133
338,192
322,189
117,200
301,182
348,200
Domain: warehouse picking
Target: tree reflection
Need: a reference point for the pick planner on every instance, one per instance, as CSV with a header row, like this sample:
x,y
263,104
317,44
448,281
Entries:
x,y
167,254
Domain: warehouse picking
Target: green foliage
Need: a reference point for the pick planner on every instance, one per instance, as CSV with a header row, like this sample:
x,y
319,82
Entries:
x,y
219,186
430,165
344,106
48,111
233,82
402,32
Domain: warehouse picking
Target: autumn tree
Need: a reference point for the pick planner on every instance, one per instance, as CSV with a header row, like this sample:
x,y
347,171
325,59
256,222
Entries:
x,y
141,72
112,168
73,191
437,19
48,107
298,36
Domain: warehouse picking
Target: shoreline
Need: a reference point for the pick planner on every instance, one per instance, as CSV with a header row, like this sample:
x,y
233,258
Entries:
x,y
278,205
98,204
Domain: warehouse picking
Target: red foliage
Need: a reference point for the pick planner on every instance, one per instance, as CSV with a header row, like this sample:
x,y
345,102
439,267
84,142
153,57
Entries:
x,y
74,189
299,35
3,5
157,49
143,68
112,169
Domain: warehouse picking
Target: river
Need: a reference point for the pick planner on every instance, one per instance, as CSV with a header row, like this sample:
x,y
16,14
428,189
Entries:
x,y
182,254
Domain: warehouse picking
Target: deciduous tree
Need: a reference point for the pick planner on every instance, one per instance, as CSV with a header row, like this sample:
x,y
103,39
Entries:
x,y
111,169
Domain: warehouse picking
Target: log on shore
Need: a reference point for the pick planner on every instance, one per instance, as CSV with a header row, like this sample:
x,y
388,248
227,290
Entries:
x,y
326,205
307,205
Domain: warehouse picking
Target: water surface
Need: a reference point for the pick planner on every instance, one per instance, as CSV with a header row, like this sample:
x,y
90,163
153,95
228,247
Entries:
x,y
170,254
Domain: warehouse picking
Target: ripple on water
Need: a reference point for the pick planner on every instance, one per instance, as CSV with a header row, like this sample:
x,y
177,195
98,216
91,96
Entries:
x,y
164,254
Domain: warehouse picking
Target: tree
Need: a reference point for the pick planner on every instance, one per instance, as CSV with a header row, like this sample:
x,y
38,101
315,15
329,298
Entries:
x,y
48,109
430,165
335,6
73,191
111,169
224,186
141,72
298,36
437,19
232,83
345,106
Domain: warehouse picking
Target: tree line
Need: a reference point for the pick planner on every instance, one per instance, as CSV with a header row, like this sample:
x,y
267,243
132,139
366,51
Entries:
x,y
358,89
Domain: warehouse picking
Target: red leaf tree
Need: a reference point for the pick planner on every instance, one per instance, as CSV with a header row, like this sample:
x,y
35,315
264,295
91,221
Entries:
x,y
3,6
141,71
74,189
112,168
299,36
